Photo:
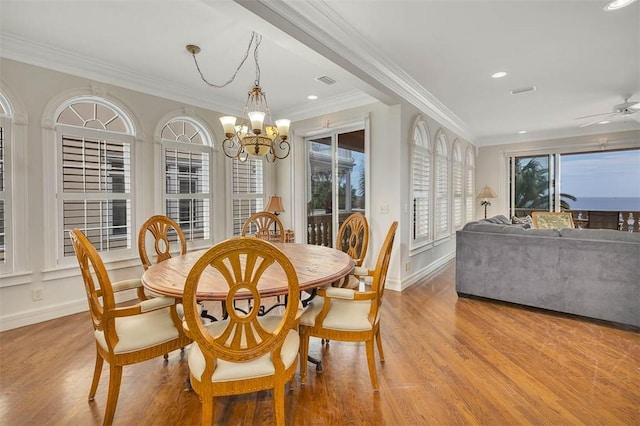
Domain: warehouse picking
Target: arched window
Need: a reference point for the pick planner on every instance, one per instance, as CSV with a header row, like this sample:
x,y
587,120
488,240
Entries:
x,y
420,185
5,187
247,197
441,186
469,184
94,185
456,186
186,158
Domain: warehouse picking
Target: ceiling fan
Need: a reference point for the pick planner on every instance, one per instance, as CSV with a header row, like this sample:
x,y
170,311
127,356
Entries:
x,y
627,108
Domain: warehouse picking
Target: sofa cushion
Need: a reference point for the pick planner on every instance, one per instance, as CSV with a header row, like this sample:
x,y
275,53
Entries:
x,y
600,235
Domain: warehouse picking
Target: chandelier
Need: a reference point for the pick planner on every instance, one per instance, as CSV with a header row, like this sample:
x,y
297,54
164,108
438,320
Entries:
x,y
256,134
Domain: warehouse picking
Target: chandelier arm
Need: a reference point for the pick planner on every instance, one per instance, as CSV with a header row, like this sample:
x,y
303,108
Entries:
x,y
233,77
282,145
229,146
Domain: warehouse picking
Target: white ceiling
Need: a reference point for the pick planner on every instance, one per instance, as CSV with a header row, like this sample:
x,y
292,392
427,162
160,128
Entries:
x,y
437,55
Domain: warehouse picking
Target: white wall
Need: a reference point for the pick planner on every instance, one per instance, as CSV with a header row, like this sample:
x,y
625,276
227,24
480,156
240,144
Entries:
x,y
34,89
491,166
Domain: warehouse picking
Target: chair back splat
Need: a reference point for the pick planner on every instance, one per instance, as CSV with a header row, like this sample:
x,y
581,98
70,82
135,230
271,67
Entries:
x,y
167,237
128,334
245,352
353,239
264,225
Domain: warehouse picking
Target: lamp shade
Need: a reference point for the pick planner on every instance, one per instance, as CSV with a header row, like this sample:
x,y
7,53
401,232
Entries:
x,y
274,205
487,192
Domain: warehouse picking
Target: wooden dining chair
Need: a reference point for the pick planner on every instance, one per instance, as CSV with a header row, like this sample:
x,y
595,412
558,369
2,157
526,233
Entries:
x,y
264,225
349,315
245,352
353,239
128,334
165,236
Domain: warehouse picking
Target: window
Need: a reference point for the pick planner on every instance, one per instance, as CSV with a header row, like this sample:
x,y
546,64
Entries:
x,y
94,190
441,187
186,158
421,185
469,185
456,185
531,185
247,191
5,188
604,180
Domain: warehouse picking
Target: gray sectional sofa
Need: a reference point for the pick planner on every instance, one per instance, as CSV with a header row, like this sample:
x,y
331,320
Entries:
x,y
588,272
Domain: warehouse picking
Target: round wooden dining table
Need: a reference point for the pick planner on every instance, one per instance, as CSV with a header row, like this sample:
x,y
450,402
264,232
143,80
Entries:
x,y
316,266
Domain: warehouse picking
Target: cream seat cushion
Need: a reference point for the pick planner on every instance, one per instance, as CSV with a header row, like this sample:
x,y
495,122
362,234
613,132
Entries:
x,y
259,367
344,314
141,331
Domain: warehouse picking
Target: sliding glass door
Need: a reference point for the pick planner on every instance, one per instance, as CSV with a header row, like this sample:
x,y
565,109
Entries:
x,y
335,183
530,185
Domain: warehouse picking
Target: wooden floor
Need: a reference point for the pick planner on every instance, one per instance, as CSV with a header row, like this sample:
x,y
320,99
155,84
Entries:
x,y
449,361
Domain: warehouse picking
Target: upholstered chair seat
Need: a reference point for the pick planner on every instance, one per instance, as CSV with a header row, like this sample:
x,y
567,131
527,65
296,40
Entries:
x,y
259,367
345,314
152,327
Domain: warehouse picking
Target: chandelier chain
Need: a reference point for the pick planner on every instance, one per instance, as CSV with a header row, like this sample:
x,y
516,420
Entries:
x,y
254,36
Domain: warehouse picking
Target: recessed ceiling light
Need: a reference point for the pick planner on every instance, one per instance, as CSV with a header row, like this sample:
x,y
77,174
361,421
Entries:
x,y
498,74
617,4
604,122
522,132
312,97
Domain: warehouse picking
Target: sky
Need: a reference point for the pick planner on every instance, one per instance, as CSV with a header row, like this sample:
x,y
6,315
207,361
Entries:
x,y
601,174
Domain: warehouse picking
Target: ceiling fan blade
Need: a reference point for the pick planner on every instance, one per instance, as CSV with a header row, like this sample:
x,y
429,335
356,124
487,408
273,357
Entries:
x,y
599,119
594,115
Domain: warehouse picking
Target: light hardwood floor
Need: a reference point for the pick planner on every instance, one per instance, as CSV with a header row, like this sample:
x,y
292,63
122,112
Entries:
x,y
449,361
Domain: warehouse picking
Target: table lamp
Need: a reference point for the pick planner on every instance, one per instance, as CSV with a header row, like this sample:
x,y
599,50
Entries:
x,y
486,193
274,206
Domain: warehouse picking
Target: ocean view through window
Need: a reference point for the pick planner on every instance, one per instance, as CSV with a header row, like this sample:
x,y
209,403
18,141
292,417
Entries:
x,y
607,180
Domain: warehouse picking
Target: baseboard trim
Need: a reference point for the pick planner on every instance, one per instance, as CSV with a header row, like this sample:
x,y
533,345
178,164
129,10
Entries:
x,y
421,275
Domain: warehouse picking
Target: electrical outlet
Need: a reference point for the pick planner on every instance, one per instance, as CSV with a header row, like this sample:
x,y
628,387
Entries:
x,y
407,266
36,293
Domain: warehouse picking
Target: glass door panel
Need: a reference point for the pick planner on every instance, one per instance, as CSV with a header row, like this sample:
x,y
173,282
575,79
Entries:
x,y
335,183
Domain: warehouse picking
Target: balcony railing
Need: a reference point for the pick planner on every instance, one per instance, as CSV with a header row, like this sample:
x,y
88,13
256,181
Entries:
x,y
320,228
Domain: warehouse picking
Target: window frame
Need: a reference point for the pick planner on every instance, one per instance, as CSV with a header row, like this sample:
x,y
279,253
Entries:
x,y
421,147
56,264
206,147
457,187
469,184
442,177
236,221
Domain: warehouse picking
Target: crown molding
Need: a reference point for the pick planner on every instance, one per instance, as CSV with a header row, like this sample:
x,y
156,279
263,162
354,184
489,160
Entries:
x,y
53,58
346,100
320,27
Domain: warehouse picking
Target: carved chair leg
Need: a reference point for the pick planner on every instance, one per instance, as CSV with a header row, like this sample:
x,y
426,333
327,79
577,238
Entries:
x,y
115,377
304,352
379,342
208,410
97,371
372,364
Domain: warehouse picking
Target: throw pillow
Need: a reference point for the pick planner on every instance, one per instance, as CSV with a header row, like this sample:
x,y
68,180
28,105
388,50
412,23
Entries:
x,y
526,222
